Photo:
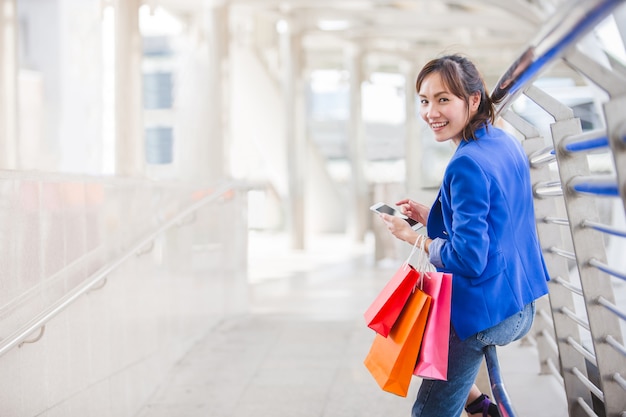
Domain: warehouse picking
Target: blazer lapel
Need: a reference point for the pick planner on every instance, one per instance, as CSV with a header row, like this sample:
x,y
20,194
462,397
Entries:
x,y
435,224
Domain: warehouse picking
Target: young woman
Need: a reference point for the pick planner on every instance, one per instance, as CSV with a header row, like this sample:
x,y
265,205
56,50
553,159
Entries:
x,y
481,229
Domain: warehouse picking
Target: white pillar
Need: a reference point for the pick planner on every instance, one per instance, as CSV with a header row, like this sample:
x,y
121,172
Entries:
x,y
359,198
413,140
9,158
215,162
129,136
290,50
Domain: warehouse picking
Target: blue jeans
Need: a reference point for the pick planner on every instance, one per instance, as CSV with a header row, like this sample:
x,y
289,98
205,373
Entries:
x,y
447,398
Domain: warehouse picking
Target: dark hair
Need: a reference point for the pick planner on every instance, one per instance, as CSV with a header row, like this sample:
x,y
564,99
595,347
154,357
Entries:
x,y
462,78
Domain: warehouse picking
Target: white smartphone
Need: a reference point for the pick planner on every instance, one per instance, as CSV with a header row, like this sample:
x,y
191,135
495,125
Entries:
x,y
387,209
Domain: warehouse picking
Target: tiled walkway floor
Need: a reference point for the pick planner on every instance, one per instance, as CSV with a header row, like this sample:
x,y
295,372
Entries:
x,y
300,351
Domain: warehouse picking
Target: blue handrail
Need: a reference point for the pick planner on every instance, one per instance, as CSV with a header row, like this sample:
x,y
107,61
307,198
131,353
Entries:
x,y
566,27
569,24
498,389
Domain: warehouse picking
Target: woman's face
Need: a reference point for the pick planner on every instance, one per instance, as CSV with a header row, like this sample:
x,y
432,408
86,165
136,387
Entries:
x,y
446,114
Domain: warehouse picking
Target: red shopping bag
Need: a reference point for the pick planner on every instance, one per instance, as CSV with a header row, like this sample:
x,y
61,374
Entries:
x,y
391,360
432,362
384,311
386,308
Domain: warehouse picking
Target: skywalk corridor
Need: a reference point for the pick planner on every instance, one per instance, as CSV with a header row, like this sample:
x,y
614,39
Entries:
x,y
300,351
184,193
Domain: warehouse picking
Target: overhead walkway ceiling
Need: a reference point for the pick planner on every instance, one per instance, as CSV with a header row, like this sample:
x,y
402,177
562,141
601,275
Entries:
x,y
491,32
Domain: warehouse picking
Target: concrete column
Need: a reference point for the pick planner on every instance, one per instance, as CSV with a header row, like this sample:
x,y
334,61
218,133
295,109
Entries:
x,y
359,198
202,98
413,140
9,158
129,137
290,53
215,162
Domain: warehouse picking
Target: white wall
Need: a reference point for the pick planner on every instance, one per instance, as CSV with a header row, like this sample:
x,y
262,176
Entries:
x,y
106,353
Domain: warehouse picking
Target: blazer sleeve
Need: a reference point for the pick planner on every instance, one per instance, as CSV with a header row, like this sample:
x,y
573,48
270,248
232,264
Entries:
x,y
467,249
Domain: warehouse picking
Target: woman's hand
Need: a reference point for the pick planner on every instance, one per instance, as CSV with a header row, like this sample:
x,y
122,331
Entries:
x,y
414,210
399,227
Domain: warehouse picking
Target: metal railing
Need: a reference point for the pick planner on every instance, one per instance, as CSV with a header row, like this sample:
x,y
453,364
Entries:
x,y
582,346
98,279
497,384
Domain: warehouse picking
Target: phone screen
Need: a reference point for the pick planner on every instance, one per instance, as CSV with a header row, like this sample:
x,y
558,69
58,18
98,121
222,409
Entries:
x,y
388,210
384,208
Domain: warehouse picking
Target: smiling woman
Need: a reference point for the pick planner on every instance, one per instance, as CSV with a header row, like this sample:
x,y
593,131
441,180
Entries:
x,y
453,98
475,232
445,113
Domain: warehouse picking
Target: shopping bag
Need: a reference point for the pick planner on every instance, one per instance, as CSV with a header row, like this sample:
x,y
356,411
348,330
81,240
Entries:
x,y
384,311
432,362
391,360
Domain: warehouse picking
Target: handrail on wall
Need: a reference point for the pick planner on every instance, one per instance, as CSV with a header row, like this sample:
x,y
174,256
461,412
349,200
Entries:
x,y
91,283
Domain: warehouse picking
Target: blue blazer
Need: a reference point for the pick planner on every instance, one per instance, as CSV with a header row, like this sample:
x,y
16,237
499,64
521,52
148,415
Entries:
x,y
485,214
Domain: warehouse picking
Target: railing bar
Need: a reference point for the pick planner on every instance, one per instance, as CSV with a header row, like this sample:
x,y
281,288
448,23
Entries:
x,y
587,141
581,349
556,220
610,340
587,145
619,380
586,407
555,371
605,268
569,313
548,189
547,317
562,252
36,338
586,382
542,157
569,286
100,286
551,342
612,307
40,320
603,228
600,186
27,294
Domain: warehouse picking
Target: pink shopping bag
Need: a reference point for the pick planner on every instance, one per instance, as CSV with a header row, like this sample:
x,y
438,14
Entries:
x,y
432,362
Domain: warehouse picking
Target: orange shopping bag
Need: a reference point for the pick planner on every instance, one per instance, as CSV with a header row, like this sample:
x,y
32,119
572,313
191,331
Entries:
x,y
432,362
385,310
391,360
